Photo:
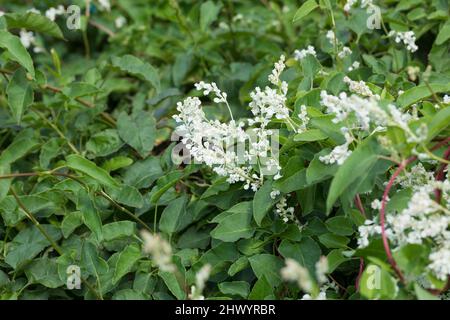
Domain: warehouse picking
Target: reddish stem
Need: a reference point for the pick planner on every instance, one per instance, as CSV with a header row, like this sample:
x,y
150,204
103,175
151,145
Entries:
x,y
361,269
401,167
440,175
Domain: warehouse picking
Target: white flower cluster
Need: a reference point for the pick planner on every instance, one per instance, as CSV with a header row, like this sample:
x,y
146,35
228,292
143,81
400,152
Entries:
x,y
286,213
423,221
364,4
200,280
408,38
367,230
52,13
301,54
293,271
303,116
367,111
360,87
213,143
345,51
331,36
355,65
416,177
28,39
340,153
160,250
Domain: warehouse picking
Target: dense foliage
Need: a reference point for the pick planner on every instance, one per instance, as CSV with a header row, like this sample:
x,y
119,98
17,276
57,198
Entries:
x,y
354,204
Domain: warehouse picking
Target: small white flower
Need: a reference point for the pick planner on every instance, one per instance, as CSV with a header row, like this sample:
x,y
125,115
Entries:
x,y
322,269
346,51
104,5
355,65
274,193
293,271
447,99
301,54
26,38
120,22
408,38
160,250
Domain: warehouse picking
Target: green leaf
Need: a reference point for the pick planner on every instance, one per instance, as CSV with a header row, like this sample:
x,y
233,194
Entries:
x,y
295,182
235,288
4,183
70,222
418,93
135,66
20,94
116,163
306,252
33,22
130,294
118,230
143,173
362,159
340,225
138,130
78,163
261,290
44,271
262,202
423,294
127,259
17,150
236,224
268,266
318,171
438,123
91,261
127,195
28,243
172,283
237,266
91,217
310,135
208,14
17,51
444,33
173,214
79,89
103,143
165,183
180,69
335,258
305,9
331,240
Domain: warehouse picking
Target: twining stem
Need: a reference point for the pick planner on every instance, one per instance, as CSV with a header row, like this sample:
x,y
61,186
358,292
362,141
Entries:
x,y
55,127
389,185
125,210
54,245
440,175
